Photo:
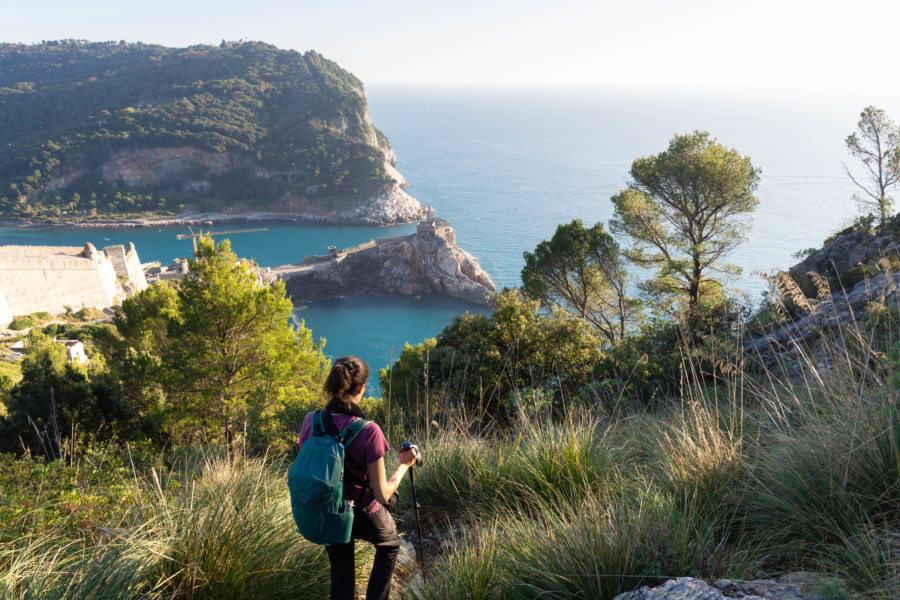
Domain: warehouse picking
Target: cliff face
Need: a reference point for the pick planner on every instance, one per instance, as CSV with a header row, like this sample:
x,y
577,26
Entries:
x,y
151,167
244,128
427,262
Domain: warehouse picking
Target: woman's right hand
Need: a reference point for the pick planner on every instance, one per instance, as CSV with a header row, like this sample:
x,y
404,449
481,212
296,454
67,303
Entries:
x,y
408,457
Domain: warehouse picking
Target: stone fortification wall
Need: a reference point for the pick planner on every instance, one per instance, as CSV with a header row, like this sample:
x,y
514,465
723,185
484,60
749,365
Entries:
x,y
315,259
117,256
128,267
358,247
6,315
133,269
50,278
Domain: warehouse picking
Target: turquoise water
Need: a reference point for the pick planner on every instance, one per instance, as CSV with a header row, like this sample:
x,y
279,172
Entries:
x,y
507,166
281,244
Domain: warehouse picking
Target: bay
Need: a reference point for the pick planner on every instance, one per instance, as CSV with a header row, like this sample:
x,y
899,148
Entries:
x,y
507,165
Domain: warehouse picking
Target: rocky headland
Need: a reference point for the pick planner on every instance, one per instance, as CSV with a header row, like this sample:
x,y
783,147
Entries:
x,y
426,262
243,130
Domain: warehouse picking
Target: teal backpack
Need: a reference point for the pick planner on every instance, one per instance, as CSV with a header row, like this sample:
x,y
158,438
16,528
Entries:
x,y
316,482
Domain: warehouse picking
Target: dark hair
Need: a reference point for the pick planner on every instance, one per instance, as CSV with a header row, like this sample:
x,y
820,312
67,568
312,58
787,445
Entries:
x,y
348,374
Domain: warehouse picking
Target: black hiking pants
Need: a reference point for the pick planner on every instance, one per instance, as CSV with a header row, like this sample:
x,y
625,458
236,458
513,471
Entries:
x,y
379,529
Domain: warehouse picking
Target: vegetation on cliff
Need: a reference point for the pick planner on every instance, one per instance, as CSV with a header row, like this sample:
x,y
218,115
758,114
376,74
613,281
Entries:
x,y
264,128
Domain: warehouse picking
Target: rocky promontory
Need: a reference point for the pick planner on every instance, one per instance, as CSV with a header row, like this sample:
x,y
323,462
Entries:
x,y
118,134
426,262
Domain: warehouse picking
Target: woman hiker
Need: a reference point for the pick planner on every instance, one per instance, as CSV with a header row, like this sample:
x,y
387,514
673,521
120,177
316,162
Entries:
x,y
365,482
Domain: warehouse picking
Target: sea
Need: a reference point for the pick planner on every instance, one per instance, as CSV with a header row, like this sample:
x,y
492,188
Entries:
x,y
507,165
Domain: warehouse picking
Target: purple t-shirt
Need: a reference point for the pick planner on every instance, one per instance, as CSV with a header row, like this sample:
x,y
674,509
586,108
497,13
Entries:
x,y
366,448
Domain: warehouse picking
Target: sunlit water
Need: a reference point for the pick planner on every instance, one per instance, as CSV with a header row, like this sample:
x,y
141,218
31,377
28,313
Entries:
x,y
507,166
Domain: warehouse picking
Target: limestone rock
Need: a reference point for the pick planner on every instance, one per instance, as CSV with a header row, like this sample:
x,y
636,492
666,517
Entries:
x,y
844,307
847,251
840,309
683,588
687,588
427,262
149,167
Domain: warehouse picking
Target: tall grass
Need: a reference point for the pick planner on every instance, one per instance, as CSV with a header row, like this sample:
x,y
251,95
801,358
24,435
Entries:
x,y
216,528
590,508
792,466
596,548
525,467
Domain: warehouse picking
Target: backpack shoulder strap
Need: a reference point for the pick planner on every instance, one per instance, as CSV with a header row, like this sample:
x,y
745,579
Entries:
x,y
327,420
351,431
322,424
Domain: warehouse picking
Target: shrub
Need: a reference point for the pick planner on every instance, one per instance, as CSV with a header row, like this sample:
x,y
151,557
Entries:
x,y
21,323
840,471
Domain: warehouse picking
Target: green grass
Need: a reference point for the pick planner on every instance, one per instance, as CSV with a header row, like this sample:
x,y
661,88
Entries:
x,y
216,527
525,467
11,370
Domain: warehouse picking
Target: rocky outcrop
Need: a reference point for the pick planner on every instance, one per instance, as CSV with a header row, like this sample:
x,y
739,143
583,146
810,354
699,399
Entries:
x,y
687,588
842,308
847,258
427,262
387,208
847,251
194,169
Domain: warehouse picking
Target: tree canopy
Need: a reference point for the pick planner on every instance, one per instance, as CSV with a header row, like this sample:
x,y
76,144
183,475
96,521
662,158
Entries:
x,y
582,271
876,145
56,401
485,364
218,357
685,209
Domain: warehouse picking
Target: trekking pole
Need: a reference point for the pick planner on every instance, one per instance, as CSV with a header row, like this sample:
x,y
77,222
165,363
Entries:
x,y
412,480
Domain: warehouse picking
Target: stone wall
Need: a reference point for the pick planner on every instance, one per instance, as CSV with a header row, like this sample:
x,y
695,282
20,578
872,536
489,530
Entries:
x,y
6,315
134,270
128,268
358,247
116,255
50,278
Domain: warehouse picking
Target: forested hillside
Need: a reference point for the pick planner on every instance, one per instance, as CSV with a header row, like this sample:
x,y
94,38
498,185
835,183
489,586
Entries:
x,y
119,128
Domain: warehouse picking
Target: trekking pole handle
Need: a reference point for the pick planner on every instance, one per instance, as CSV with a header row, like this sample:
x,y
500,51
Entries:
x,y
420,460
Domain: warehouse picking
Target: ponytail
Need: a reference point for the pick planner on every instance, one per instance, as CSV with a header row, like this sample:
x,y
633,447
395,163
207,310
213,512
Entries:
x,y
347,376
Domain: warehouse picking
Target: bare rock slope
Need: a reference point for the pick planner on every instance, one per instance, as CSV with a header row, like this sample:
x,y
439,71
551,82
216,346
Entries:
x,y
856,268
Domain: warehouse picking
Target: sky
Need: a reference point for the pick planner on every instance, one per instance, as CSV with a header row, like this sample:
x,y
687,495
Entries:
x,y
822,44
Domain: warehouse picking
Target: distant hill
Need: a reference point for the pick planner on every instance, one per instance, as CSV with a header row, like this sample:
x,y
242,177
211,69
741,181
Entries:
x,y
90,130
